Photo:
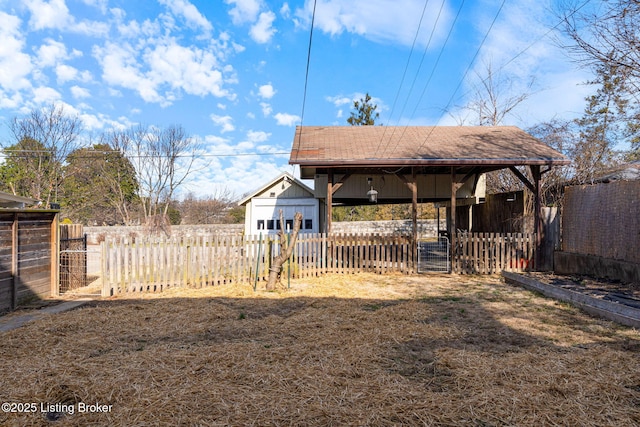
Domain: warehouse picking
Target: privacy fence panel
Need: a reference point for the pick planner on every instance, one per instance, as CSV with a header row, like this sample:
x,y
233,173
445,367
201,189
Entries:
x,y
603,220
491,253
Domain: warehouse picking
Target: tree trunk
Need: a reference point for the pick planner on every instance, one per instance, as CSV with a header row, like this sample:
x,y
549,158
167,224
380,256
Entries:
x,y
285,252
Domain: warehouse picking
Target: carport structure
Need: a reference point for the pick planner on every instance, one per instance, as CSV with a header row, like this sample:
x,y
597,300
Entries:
x,y
417,163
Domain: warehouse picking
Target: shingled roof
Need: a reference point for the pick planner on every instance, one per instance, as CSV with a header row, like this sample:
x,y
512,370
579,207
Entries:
x,y
388,146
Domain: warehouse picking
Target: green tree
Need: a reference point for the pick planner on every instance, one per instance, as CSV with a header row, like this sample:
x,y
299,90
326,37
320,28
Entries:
x,y
99,186
602,125
26,168
364,113
606,39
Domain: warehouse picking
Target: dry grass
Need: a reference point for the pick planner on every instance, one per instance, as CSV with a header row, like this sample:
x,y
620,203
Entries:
x,y
341,350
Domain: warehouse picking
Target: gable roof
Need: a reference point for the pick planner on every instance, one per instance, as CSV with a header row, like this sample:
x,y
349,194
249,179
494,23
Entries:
x,y
389,146
273,182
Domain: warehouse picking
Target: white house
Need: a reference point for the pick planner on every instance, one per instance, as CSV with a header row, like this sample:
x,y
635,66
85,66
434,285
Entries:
x,y
286,193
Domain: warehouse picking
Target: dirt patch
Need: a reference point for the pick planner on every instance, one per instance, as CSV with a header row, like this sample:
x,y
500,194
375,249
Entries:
x,y
339,350
612,290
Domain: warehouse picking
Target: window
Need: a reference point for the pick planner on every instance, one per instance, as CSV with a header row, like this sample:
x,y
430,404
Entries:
x,y
272,194
308,224
261,224
289,224
270,224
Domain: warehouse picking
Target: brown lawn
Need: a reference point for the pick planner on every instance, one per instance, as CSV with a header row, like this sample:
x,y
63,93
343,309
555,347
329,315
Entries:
x,y
340,350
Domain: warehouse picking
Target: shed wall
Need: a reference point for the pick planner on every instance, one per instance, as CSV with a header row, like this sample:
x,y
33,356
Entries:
x,y
28,253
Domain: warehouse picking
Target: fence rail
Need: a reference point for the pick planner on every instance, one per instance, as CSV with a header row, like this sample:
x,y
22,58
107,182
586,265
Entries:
x,y
154,265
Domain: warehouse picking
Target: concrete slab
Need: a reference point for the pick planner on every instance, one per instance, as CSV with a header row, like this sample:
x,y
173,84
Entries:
x,y
17,321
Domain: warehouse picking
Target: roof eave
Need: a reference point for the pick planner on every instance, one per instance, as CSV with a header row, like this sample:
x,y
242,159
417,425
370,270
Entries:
x,y
429,162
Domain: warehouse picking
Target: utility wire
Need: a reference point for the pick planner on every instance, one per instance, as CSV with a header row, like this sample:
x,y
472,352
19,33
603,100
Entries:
x,y
91,154
464,76
406,68
306,76
435,65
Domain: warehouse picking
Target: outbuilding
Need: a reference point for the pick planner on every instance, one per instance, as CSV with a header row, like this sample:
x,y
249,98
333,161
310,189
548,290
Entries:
x,y
286,193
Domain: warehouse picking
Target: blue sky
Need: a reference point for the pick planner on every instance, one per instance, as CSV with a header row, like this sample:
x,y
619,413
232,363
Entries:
x,y
232,72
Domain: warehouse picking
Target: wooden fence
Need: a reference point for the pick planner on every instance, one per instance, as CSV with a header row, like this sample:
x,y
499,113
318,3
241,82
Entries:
x,y
28,256
491,253
154,265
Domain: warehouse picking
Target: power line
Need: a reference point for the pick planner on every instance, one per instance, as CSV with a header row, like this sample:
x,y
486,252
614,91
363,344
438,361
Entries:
x,y
435,65
464,76
91,154
306,76
406,67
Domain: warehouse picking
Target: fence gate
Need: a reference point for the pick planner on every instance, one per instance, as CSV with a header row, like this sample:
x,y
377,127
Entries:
x,y
73,257
434,256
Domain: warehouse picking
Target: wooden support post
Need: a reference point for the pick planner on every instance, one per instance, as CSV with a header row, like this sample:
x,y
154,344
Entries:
x,y
55,256
414,213
454,190
455,186
537,225
14,262
329,200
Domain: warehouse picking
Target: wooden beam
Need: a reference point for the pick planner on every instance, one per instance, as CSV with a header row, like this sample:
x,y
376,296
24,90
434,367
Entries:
x,y
523,178
339,184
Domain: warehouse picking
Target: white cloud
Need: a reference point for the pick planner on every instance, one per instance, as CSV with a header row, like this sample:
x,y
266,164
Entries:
x,y
263,30
189,12
258,136
51,53
378,20
339,100
266,109
284,119
66,73
45,95
224,122
285,11
164,70
15,65
80,92
244,10
266,91
52,14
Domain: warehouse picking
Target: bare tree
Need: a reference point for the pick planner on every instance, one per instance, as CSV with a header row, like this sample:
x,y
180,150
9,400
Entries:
x,y
163,159
43,140
210,209
286,249
493,97
493,100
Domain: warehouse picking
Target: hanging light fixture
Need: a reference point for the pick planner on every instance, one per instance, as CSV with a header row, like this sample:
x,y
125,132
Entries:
x,y
372,194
